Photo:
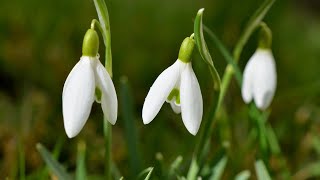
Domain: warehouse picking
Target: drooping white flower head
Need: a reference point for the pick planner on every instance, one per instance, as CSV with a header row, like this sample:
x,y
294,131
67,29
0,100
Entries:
x,y
177,85
260,79
88,81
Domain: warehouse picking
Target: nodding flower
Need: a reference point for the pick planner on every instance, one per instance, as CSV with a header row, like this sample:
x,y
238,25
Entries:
x,y
177,85
260,76
87,82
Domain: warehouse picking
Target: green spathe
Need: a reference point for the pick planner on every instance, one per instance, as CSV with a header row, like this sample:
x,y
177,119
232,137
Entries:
x,y
265,36
186,49
90,46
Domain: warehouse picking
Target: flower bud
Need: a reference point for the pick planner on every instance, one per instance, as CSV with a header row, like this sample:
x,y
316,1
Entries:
x,y
186,49
90,46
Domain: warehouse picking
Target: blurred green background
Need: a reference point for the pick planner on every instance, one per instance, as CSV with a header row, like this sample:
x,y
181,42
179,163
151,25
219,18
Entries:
x,y
40,42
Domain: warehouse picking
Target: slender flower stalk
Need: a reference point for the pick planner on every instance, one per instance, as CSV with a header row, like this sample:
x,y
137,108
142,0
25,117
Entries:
x,y
87,82
103,15
177,85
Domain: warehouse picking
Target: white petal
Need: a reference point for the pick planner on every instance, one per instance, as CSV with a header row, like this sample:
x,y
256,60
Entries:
x,y
175,107
247,86
78,96
264,78
160,90
109,102
191,100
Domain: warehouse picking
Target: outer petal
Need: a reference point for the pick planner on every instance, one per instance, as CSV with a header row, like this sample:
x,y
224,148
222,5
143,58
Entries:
x,y
160,90
247,84
109,102
264,78
78,96
191,100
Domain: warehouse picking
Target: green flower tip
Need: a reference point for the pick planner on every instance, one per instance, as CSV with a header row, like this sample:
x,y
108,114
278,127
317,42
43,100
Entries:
x,y
186,49
201,11
265,37
175,93
90,46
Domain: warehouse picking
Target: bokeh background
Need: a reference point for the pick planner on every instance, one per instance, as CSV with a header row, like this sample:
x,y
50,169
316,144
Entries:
x,y
40,42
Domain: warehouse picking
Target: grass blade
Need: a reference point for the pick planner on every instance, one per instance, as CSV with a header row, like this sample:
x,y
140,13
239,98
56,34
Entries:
x,y
218,169
147,171
81,173
52,164
129,126
261,170
244,175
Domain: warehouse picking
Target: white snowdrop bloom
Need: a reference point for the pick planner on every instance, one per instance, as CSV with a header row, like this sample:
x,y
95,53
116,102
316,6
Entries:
x,y
260,79
177,85
88,81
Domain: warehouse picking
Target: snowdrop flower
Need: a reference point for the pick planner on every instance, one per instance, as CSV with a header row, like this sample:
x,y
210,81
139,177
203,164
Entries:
x,y
88,81
178,86
260,76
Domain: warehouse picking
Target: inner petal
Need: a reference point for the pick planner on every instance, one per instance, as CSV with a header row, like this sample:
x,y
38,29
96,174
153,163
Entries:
x,y
174,96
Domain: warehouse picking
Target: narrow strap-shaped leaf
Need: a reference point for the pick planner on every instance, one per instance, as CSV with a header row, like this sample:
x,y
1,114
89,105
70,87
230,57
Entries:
x,y
174,167
149,174
243,175
147,171
261,170
218,169
310,171
203,49
273,141
129,126
55,167
115,171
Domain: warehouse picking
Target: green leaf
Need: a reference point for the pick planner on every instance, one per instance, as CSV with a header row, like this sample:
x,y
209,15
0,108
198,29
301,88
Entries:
x,y
115,171
147,171
81,173
52,164
174,166
273,141
243,175
129,126
309,171
218,169
194,169
261,170
203,49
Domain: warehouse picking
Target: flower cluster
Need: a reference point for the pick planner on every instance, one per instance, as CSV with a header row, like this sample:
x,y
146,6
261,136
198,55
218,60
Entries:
x,y
89,81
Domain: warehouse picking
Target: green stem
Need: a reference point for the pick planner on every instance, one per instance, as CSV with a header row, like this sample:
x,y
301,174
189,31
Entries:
x,y
253,23
107,132
229,71
104,26
96,24
103,15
